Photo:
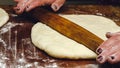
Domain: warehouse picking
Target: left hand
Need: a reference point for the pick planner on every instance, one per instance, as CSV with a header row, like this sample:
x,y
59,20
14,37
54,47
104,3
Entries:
x,y
27,5
109,50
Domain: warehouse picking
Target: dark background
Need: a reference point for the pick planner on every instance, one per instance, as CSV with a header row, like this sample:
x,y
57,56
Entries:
x,y
11,2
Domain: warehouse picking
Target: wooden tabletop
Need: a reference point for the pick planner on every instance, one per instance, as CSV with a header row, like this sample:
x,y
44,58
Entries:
x,y
17,50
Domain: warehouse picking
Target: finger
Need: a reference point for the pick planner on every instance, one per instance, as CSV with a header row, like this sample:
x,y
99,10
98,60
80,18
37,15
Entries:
x,y
20,8
109,34
22,5
16,9
37,3
104,45
114,58
103,57
108,43
34,5
57,4
27,2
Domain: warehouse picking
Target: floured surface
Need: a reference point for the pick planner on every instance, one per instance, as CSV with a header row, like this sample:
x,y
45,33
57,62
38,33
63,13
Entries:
x,y
60,46
17,50
3,17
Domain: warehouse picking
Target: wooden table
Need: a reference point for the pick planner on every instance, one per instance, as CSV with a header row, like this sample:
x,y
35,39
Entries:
x,y
17,50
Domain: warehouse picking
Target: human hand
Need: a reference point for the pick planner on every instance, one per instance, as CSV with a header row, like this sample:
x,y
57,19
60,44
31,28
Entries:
x,y
27,5
109,50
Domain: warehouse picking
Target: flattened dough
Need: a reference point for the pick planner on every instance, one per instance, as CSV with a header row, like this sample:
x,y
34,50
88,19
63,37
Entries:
x,y
98,25
59,46
3,17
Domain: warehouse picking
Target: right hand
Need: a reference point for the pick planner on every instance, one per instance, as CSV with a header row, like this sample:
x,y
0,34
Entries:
x,y
109,50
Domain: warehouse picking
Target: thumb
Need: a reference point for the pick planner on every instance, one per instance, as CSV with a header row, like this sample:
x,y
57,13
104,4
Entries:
x,y
57,4
109,34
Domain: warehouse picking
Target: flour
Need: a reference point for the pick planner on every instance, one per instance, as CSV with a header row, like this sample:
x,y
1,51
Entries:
x,y
7,27
4,58
13,15
3,65
100,14
92,66
53,65
2,41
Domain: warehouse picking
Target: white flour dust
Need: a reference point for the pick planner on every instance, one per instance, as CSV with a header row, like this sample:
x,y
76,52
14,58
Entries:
x,y
6,44
7,27
19,62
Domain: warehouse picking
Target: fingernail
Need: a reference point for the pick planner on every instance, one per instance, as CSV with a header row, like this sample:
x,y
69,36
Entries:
x,y
99,50
108,34
54,7
99,58
18,9
112,57
27,8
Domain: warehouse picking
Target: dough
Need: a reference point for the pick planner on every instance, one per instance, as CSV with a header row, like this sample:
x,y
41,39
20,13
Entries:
x,y
3,17
98,25
59,46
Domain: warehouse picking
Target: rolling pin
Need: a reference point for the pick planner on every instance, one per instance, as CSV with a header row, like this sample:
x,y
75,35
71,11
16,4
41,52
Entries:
x,y
67,28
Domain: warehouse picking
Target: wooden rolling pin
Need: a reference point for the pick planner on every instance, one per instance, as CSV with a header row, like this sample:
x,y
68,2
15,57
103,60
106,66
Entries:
x,y
67,28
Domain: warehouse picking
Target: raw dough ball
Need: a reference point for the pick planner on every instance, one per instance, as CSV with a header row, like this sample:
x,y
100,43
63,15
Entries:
x,y
3,17
60,46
